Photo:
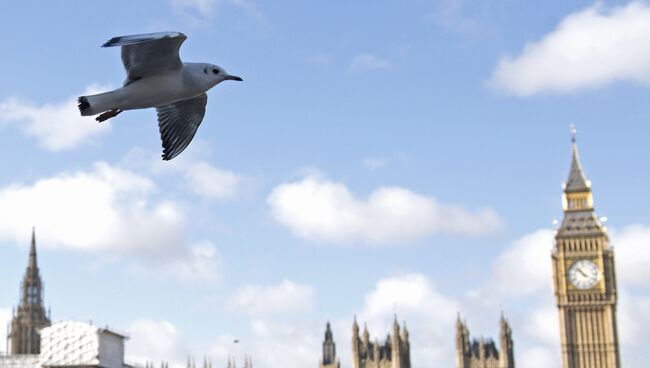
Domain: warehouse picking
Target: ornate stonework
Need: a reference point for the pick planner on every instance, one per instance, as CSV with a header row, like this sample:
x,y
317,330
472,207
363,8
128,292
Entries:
x,y
584,279
482,353
329,350
394,353
30,316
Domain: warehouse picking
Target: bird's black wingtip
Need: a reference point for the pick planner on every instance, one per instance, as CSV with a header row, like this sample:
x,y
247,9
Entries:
x,y
111,42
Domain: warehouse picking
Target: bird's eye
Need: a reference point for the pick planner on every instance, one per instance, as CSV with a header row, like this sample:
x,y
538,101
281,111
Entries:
x,y
215,71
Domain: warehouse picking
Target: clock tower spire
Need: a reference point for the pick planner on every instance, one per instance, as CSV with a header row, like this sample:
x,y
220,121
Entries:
x,y
584,278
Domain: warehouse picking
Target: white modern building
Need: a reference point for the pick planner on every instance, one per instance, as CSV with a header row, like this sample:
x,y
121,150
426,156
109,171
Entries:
x,y
73,344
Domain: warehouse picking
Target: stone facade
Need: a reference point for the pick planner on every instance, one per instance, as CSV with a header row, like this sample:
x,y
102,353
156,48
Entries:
x,y
394,353
30,316
483,353
584,279
329,350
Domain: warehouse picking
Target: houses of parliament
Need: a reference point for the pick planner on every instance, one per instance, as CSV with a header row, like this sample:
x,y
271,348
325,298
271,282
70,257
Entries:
x,y
584,283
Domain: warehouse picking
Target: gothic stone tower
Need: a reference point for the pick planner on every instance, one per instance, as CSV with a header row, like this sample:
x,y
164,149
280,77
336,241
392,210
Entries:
x,y
483,353
329,350
395,353
30,316
584,279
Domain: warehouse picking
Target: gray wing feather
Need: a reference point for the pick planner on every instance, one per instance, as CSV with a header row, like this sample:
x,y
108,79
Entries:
x,y
178,123
149,54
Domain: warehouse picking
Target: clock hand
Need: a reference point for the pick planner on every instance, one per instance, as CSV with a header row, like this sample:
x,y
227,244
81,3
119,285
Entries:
x,y
582,272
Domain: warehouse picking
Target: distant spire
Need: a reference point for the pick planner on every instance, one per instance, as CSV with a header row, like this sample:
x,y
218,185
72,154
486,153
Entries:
x,y
366,335
328,332
405,331
577,182
32,251
329,347
395,324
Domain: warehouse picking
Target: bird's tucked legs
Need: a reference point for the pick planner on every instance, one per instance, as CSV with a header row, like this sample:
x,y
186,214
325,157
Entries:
x,y
107,115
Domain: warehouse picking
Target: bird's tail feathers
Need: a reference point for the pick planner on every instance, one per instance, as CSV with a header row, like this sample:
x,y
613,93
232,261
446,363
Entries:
x,y
93,104
84,106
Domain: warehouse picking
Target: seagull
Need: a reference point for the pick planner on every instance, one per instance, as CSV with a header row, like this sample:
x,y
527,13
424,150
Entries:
x,y
156,77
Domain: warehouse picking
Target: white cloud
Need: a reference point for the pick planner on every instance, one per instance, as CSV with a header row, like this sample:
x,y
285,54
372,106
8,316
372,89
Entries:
x,y
106,208
201,177
5,318
290,345
590,48
318,209
367,61
209,181
56,127
270,344
155,341
634,327
525,267
632,254
542,324
539,357
285,297
430,315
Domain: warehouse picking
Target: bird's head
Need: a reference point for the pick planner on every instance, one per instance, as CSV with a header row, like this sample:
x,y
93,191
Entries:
x,y
215,74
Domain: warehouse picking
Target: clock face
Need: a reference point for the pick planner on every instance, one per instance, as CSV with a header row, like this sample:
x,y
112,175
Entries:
x,y
584,274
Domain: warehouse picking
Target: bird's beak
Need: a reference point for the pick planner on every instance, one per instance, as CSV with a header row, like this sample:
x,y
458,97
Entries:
x,y
234,77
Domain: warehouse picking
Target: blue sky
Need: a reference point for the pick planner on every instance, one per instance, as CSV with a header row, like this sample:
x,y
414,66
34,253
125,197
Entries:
x,y
379,157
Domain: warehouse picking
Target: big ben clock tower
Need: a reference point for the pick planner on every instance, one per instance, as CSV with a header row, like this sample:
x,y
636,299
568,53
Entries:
x,y
584,279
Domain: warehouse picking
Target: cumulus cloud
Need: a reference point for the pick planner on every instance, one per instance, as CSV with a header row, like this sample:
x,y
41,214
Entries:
x,y
155,341
318,209
632,254
525,266
291,345
285,297
367,61
108,209
201,177
211,182
540,357
57,126
270,344
590,48
430,314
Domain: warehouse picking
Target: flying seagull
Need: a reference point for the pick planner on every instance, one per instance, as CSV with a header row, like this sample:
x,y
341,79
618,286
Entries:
x,y
156,77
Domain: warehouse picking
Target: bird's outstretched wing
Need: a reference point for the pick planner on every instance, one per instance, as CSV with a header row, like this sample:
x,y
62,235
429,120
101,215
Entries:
x,y
148,54
178,123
